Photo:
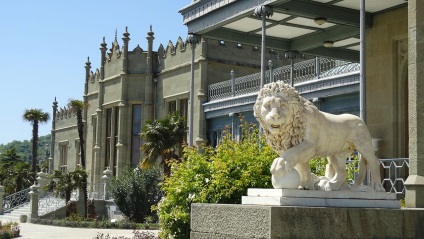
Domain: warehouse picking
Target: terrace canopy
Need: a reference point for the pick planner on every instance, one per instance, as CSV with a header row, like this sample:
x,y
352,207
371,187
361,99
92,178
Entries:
x,y
295,25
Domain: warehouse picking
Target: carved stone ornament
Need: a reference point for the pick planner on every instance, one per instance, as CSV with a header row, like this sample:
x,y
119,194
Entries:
x,y
299,132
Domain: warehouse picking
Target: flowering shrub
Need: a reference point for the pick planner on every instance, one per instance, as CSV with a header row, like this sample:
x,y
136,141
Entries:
x,y
220,175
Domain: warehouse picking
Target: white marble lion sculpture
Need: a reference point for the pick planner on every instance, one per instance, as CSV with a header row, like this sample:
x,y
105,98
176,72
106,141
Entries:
x,y
299,132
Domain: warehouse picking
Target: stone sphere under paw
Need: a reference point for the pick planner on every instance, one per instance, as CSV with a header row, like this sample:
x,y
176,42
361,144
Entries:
x,y
288,181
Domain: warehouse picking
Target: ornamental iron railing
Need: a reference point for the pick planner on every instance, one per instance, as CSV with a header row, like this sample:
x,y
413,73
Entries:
x,y
394,173
15,200
50,203
304,71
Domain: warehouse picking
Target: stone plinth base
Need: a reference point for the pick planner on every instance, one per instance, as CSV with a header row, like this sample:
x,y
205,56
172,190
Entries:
x,y
223,221
310,198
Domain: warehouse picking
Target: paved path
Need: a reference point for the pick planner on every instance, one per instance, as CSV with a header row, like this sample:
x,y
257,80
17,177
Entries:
x,y
36,231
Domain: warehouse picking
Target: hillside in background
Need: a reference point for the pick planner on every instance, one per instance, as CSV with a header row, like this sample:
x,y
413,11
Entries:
x,y
24,148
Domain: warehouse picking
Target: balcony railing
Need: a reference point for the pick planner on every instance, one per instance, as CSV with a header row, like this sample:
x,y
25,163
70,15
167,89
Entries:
x,y
304,71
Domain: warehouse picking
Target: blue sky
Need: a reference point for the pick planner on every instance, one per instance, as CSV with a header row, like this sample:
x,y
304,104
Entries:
x,y
45,44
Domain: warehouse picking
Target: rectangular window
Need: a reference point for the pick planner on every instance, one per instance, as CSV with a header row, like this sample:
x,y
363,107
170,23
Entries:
x,y
77,152
215,137
184,113
108,136
184,108
94,120
135,135
63,148
115,142
172,107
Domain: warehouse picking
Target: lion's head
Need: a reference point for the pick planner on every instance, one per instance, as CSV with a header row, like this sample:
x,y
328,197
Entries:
x,y
279,110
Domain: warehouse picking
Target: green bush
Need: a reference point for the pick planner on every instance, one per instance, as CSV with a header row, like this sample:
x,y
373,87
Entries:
x,y
135,191
9,230
318,167
220,175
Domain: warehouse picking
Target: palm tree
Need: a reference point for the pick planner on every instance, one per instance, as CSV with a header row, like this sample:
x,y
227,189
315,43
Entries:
x,y
63,183
35,116
161,137
79,106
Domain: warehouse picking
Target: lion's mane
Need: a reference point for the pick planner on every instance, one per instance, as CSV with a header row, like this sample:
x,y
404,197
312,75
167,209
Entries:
x,y
293,132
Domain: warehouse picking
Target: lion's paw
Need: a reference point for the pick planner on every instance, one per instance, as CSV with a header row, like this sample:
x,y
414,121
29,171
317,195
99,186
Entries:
x,y
278,167
331,186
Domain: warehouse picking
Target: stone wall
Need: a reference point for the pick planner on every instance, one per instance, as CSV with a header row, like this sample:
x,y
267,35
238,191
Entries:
x,y
383,77
219,221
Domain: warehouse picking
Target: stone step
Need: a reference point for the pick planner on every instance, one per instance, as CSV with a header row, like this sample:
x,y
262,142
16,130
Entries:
x,y
9,218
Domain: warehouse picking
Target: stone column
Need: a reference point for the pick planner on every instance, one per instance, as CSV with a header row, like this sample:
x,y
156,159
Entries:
x,y
263,12
33,203
202,86
1,199
42,181
53,137
193,40
107,174
415,183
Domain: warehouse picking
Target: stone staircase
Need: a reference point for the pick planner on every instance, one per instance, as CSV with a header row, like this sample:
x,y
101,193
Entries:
x,y
14,215
47,204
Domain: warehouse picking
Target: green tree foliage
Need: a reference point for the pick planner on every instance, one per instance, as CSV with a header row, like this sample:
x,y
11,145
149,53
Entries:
x,y
24,150
160,139
63,183
15,174
135,191
220,175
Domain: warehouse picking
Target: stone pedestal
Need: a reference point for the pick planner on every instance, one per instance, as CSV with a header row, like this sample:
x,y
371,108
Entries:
x,y
309,198
33,203
223,221
414,196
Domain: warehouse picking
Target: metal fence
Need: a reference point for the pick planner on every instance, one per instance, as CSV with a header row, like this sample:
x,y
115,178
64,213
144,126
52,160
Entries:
x,y
394,173
304,71
50,203
15,200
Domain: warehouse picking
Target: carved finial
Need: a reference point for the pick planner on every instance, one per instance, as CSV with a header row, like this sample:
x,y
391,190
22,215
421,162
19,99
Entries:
x,y
126,34
88,63
151,33
103,44
116,34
